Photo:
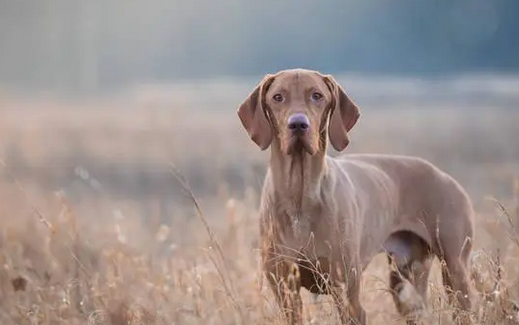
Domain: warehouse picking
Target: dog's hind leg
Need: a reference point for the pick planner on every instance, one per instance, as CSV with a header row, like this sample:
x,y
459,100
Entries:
x,y
456,280
408,284
410,263
420,270
455,237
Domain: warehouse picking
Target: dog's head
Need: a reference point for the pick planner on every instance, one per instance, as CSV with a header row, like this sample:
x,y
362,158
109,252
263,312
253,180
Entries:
x,y
297,108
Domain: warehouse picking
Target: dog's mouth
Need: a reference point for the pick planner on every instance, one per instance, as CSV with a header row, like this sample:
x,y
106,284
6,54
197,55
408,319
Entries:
x,y
299,144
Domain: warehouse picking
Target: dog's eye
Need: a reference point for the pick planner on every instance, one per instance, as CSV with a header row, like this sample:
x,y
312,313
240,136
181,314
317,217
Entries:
x,y
317,96
278,98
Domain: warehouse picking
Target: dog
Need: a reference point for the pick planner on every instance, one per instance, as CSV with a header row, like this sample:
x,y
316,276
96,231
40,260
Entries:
x,y
323,219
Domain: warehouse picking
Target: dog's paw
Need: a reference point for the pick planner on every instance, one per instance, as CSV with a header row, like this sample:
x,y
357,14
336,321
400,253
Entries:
x,y
410,302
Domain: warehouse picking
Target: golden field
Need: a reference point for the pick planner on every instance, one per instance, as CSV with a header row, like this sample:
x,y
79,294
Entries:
x,y
97,228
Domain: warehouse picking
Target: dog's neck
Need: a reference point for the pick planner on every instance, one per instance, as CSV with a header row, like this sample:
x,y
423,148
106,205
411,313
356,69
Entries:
x,y
297,177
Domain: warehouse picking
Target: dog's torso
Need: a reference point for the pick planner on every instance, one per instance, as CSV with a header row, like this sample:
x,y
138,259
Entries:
x,y
361,201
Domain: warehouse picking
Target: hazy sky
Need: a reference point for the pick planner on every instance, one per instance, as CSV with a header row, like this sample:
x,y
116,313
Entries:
x,y
95,44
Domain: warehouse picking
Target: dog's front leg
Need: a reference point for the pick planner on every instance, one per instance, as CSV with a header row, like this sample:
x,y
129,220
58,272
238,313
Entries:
x,y
285,281
346,295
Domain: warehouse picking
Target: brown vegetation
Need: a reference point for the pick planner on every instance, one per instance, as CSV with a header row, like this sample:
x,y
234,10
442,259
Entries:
x,y
73,251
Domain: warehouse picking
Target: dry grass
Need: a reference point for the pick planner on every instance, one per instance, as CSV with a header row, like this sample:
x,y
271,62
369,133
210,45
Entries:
x,y
76,258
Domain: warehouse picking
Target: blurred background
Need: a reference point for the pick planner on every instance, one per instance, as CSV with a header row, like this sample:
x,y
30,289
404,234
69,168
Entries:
x,y
74,46
103,102
99,98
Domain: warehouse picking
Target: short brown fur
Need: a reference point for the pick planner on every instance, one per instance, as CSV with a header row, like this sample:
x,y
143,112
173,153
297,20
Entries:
x,y
323,219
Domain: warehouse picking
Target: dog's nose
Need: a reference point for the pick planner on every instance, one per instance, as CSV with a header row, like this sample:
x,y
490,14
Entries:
x,y
298,122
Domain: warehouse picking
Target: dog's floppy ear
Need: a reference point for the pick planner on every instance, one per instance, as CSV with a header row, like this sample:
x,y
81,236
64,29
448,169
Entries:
x,y
253,116
344,114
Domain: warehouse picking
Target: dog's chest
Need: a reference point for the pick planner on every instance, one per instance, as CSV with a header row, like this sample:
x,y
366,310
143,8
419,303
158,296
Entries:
x,y
312,231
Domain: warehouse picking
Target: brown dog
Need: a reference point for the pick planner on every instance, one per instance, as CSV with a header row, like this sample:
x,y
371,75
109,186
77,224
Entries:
x,y
323,219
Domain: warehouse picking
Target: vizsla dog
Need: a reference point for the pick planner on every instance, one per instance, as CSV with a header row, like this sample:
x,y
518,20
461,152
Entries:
x,y
323,219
